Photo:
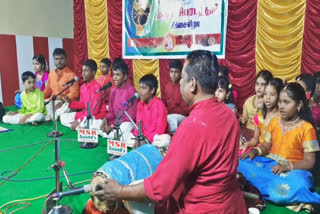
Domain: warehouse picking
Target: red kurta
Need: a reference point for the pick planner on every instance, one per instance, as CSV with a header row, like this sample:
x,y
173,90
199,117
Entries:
x,y
118,97
87,94
172,98
153,117
198,174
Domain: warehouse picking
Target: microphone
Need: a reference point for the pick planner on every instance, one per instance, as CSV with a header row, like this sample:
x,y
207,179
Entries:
x,y
85,189
135,96
75,79
109,84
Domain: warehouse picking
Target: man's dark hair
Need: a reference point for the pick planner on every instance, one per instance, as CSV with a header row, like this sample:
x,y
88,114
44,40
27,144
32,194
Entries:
x,y
59,51
122,66
91,64
25,75
176,64
203,66
151,81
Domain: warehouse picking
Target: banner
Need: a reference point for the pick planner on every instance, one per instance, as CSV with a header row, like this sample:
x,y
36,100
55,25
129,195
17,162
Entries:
x,y
171,29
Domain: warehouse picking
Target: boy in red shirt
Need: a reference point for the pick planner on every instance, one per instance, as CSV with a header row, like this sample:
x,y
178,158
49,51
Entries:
x,y
105,77
171,96
88,94
150,110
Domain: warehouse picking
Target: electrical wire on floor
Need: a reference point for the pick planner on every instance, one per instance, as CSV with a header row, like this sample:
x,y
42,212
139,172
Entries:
x,y
27,204
16,171
24,146
17,202
2,177
34,144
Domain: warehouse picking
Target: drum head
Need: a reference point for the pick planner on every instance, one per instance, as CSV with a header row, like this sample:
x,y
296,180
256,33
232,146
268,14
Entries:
x,y
103,206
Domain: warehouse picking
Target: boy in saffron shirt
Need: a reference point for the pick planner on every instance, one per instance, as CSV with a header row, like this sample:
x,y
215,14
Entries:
x,y
171,96
150,110
119,95
105,78
32,109
57,77
87,95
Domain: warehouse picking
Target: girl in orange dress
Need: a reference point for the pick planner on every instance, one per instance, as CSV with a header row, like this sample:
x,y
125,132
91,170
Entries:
x,y
288,153
264,116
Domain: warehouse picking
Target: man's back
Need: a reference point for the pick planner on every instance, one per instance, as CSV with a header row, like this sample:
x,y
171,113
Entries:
x,y
205,147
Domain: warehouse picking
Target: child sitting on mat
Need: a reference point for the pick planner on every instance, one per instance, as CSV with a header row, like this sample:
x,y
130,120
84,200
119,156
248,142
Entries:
x,y
171,96
105,77
32,100
151,110
87,95
224,93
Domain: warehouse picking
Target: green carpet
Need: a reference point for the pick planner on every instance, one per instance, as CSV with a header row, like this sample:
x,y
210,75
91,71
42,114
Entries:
x,y
76,160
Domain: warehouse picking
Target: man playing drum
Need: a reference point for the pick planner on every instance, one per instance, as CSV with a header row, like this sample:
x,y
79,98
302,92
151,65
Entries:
x,y
198,174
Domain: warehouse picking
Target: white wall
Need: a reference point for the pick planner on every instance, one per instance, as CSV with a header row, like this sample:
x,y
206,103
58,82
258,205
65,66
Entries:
x,y
46,18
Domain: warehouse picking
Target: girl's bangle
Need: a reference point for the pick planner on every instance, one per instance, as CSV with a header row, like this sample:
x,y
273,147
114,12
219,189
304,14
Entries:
x,y
259,150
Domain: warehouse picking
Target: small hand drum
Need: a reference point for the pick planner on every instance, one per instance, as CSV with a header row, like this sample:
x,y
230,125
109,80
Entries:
x,y
136,165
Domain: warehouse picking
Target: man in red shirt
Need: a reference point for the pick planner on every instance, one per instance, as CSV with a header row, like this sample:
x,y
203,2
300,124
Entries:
x,y
171,96
198,174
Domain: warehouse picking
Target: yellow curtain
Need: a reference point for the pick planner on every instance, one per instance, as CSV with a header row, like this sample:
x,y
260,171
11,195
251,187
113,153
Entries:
x,y
280,25
143,67
97,30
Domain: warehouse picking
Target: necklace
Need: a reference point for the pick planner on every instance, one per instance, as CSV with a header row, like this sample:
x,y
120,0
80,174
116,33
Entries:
x,y
291,123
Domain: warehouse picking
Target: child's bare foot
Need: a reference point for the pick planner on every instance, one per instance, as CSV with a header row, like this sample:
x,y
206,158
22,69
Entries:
x,y
34,123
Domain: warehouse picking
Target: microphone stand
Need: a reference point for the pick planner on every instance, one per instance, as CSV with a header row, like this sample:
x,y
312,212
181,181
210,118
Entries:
x,y
58,209
117,127
55,133
140,136
90,145
117,134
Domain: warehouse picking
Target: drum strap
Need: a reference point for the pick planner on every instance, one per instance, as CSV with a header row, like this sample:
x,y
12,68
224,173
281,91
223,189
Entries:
x,y
145,159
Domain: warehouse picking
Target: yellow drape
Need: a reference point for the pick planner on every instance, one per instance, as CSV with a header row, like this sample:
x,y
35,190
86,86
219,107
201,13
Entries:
x,y
97,30
280,25
142,67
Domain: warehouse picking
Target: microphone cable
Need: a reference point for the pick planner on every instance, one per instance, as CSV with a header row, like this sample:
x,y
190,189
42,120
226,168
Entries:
x,y
36,198
2,177
26,163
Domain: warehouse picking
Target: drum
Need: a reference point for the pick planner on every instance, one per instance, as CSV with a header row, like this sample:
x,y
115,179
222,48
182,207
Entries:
x,y
136,165
135,207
